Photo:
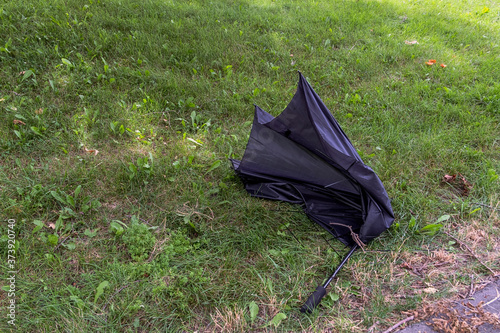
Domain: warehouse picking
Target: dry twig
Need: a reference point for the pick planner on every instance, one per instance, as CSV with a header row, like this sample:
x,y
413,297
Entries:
x,y
370,330
471,252
472,288
493,300
392,328
61,242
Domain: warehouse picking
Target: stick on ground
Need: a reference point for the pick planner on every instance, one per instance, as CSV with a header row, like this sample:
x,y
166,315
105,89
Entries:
x,y
392,328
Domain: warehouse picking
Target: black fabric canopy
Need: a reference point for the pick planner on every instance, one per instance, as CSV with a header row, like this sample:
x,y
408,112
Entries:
x,y
303,157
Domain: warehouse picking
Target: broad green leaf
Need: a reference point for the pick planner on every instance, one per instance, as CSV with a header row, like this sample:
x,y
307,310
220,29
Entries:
x,y
116,227
70,246
58,197
78,190
412,223
214,166
67,213
443,218
70,200
276,321
27,74
59,223
100,289
493,175
79,303
333,296
254,310
39,225
274,252
36,130
431,229
90,233
193,119
67,62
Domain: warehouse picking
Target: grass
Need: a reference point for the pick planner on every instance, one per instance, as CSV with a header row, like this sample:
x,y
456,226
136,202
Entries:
x,y
118,119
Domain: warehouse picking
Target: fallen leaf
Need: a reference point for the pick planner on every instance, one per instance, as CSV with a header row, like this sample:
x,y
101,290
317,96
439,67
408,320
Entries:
x,y
2,99
92,151
430,290
443,65
407,42
18,122
462,185
405,265
448,178
466,186
431,62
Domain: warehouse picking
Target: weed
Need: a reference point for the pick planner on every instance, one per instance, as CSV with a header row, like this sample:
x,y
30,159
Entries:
x,y
139,240
142,169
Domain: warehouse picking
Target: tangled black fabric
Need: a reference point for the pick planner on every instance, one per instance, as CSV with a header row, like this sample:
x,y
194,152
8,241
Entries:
x,y
303,157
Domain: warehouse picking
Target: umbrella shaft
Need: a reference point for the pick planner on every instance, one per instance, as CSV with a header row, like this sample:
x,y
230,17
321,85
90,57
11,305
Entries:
x,y
348,255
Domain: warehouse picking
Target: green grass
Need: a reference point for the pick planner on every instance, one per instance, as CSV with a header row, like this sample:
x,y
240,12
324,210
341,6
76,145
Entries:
x,y
164,91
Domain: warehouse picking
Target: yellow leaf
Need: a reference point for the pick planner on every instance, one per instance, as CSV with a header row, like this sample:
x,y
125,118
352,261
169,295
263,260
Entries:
x,y
430,290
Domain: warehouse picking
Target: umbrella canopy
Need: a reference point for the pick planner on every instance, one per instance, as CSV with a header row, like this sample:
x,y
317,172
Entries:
x,y
303,157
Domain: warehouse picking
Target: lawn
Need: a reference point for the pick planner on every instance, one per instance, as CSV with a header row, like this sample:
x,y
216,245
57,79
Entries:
x,y
120,211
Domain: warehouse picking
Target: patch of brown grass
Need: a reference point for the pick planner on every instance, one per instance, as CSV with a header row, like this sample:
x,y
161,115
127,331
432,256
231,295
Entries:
x,y
229,320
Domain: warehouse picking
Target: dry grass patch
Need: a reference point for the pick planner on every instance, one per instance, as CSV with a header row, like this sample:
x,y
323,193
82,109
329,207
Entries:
x,y
229,320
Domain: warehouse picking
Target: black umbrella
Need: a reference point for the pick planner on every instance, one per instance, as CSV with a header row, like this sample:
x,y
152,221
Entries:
x,y
303,157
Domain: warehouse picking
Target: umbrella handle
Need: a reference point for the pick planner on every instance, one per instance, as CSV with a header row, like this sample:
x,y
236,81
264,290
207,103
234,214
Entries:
x,y
313,300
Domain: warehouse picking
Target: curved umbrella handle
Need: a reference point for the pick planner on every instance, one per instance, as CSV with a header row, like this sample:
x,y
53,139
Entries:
x,y
313,300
